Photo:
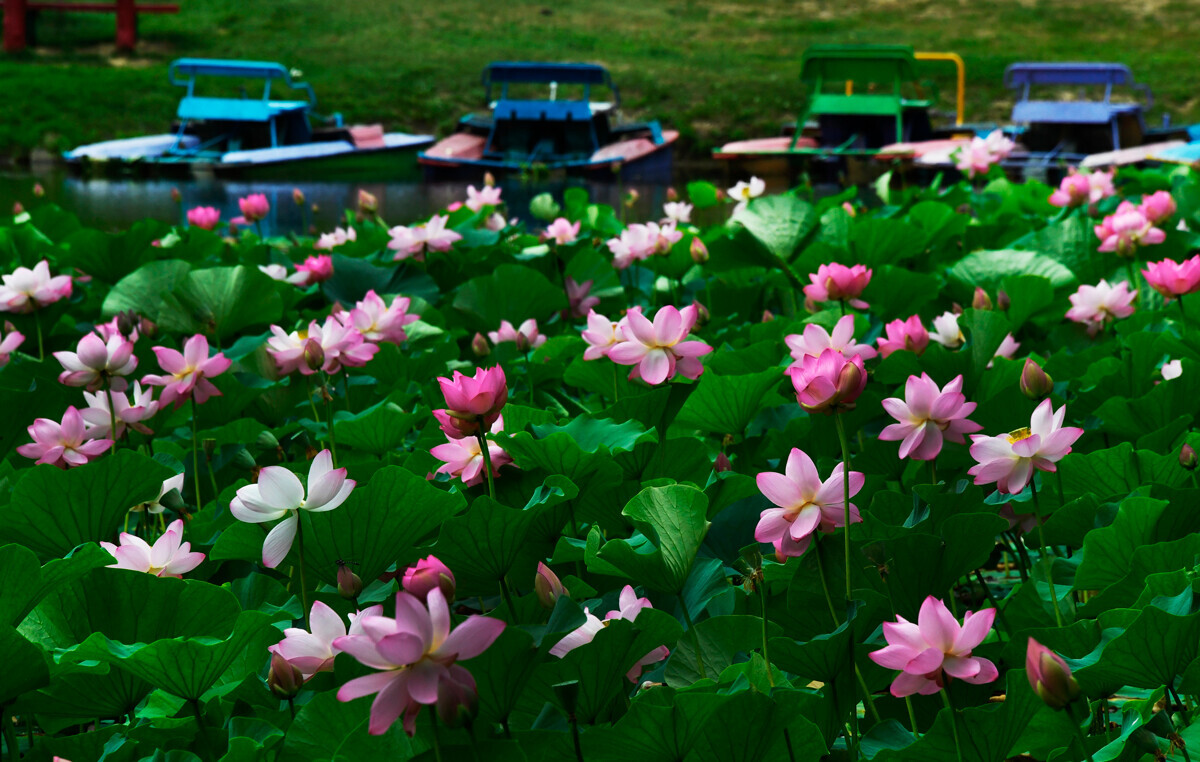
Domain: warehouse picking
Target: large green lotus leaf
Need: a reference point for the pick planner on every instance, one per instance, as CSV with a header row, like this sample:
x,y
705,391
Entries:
x,y
1108,552
986,330
1072,243
328,730
221,301
895,292
101,256
825,658
1028,295
779,223
512,292
672,522
759,732
53,510
1118,471
379,429
353,277
1147,562
726,404
482,546
143,289
1156,408
721,639
501,673
26,669
378,524
988,269
876,241
26,581
660,726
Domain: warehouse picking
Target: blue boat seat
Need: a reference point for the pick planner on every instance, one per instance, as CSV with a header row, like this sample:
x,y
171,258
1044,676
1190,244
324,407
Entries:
x,y
1071,112
547,111
235,109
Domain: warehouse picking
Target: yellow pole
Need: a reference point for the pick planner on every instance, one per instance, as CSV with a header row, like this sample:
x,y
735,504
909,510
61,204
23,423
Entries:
x,y
956,59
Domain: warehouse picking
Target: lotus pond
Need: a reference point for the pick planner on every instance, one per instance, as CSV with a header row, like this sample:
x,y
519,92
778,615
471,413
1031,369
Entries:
x,y
763,477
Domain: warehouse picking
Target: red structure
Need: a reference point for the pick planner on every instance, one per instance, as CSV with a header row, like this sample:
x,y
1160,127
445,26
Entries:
x,y
16,15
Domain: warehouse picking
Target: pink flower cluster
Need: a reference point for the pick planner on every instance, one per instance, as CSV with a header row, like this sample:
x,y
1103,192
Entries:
x,y
982,153
630,605
1078,189
640,241
26,290
837,283
462,457
657,351
1132,227
1172,279
415,241
348,338
1097,306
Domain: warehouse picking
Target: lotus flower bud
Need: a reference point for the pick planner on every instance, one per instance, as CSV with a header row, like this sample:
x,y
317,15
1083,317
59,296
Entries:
x,y
702,313
548,586
1049,676
427,574
148,328
981,301
1035,382
722,463
298,196
127,322
266,441
850,210
176,196
284,680
38,190
18,209
314,354
721,194
849,383
1002,300
367,203
489,179
1187,457
672,194
768,316
349,584
699,251
480,346
244,460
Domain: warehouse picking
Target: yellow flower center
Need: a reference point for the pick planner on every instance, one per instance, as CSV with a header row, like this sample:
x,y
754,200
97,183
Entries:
x,y
302,333
1019,434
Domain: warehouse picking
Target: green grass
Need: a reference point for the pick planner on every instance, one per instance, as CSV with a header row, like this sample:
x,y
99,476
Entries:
x,y
714,70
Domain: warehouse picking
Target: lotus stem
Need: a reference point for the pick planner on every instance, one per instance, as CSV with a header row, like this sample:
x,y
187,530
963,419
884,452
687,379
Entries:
x,y
346,388
195,457
762,595
437,748
696,638
1182,706
912,716
824,583
37,321
1133,282
575,737
841,431
1044,554
10,733
992,599
487,458
300,560
953,723
787,739
112,417
1082,739
529,375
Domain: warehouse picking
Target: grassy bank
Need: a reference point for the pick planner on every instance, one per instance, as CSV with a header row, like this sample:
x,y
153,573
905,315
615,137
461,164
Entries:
x,y
715,70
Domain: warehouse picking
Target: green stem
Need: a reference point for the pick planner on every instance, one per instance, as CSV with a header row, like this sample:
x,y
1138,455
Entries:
x,y
10,733
1082,739
195,457
487,459
616,379
912,716
762,594
787,739
933,472
695,638
824,583
843,303
437,748
303,581
329,417
311,402
346,388
202,731
992,599
575,738
1182,706
529,377
1044,555
37,321
841,431
953,723
1133,281
1182,312
112,417
512,610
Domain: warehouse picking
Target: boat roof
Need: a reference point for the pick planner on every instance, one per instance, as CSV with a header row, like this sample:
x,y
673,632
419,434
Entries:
x,y
505,73
184,72
882,64
1026,75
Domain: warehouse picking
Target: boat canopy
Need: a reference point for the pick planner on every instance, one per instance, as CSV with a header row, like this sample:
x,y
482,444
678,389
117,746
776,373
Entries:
x,y
505,73
184,72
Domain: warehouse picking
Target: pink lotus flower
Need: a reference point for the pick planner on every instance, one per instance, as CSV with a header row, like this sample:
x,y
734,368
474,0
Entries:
x,y
548,587
12,339
816,340
1157,207
495,222
677,211
838,283
1074,190
415,241
113,328
25,290
803,504
312,270
1126,230
287,349
946,331
63,444
155,507
1174,280
982,153
601,335
636,243
489,195
429,574
904,334
416,652
665,236
578,297
98,417
828,382
562,231
378,322
935,648
1097,306
341,344
1049,676
927,415
1100,186
279,494
1008,460
472,400
189,372
367,203
526,337
658,350
313,652
1007,348
169,557
96,362
330,241
462,458
205,217
274,272
254,207
630,607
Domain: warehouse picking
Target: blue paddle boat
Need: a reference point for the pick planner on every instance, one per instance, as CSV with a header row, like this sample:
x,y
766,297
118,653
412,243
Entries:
x,y
566,132
256,137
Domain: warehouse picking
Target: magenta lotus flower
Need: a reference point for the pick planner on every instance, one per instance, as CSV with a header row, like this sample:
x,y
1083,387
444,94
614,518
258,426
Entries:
x,y
488,195
1074,190
463,459
935,648
96,363
1008,347
562,231
1097,306
205,217
578,297
254,207
601,335
114,328
25,290
548,587
416,652
658,350
97,417
1157,207
526,337
189,372
330,241
1008,460
415,241
429,574
816,340
837,283
280,495
1127,230
471,401
1049,676
630,607
63,444
946,331
341,345
10,340
636,243
928,415
379,322
1173,280
829,382
312,652
312,270
679,212
803,504
904,334
169,557
287,349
